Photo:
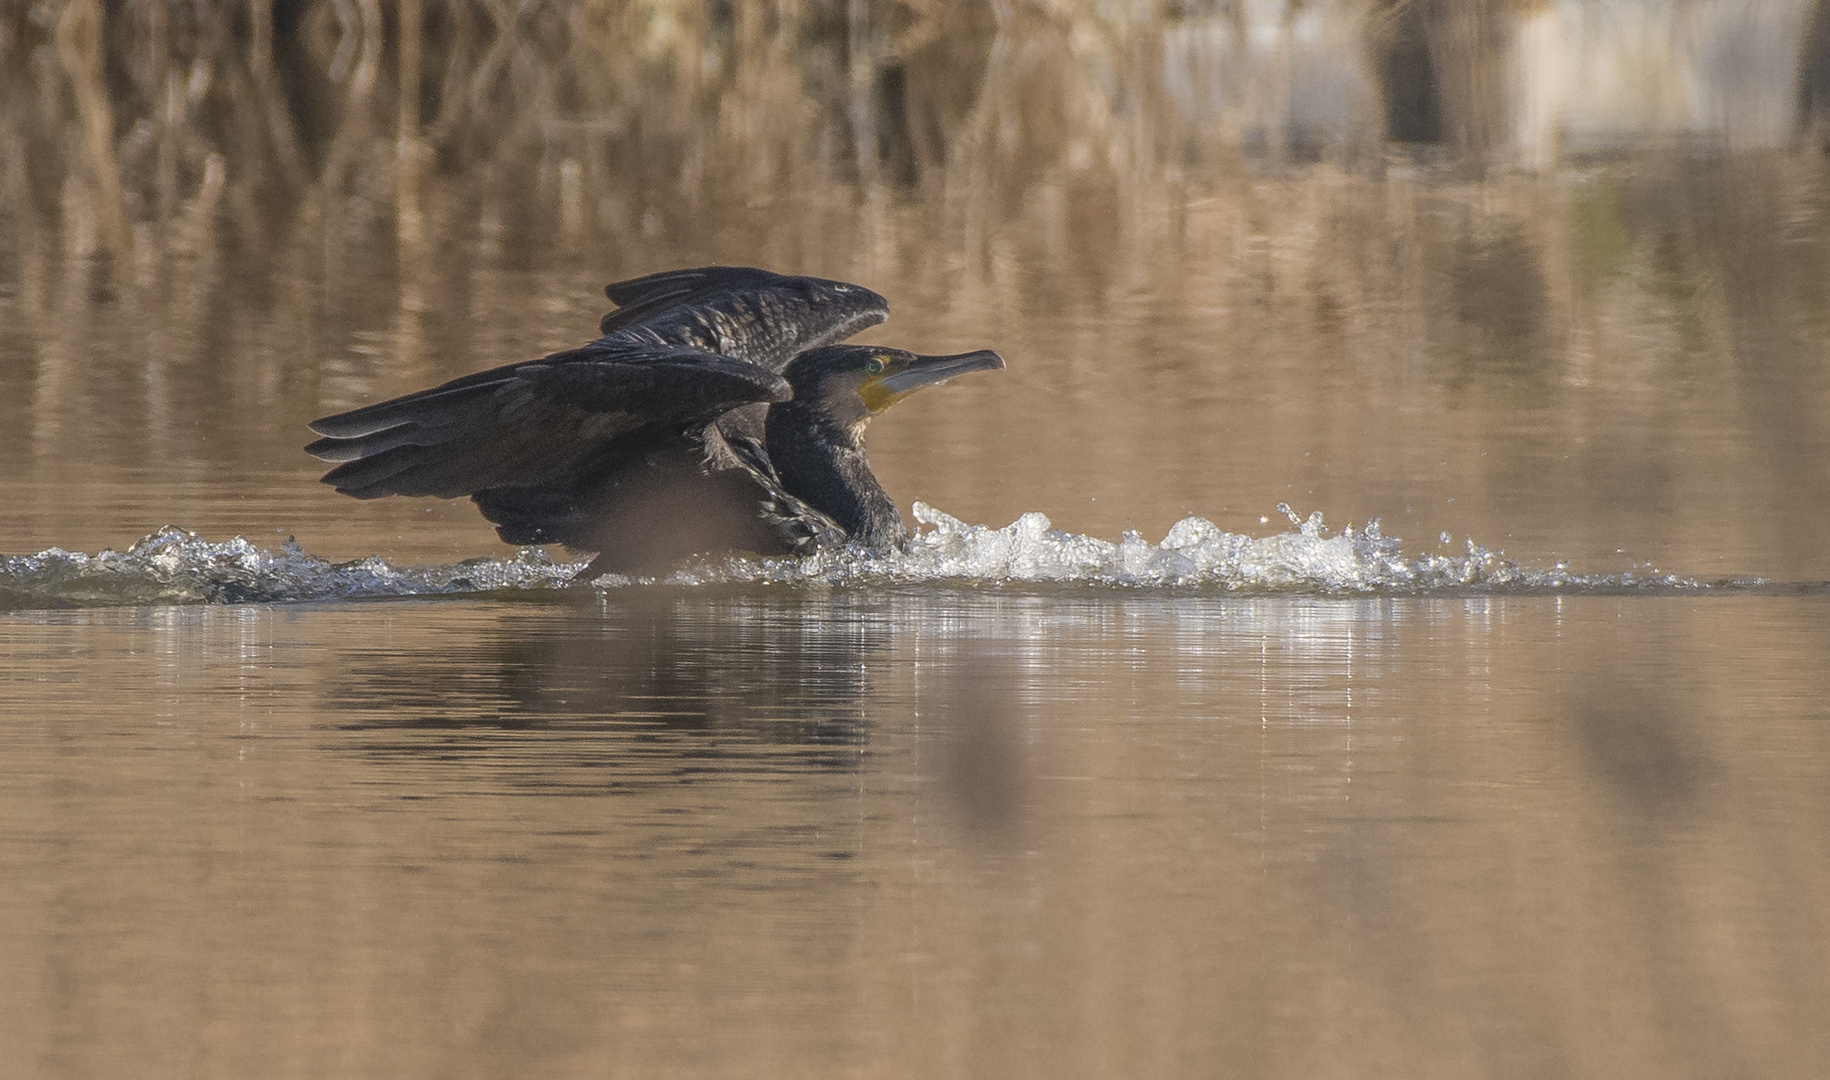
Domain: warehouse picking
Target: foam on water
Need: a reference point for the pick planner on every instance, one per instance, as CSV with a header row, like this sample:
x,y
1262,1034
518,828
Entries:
x,y
174,566
1196,553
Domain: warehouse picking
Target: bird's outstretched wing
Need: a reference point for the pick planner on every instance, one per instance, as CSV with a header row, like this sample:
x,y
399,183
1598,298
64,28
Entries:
x,y
740,312
527,425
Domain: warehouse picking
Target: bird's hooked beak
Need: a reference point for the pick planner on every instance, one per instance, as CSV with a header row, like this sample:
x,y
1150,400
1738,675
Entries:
x,y
903,377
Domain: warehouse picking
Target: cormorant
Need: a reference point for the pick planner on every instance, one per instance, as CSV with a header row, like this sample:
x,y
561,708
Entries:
x,y
715,413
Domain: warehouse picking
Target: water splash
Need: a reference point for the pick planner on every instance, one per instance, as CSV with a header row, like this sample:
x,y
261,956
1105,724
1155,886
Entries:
x,y
174,566
1196,553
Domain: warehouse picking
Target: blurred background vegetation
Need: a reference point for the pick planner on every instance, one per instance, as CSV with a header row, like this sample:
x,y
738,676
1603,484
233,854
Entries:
x,y
629,119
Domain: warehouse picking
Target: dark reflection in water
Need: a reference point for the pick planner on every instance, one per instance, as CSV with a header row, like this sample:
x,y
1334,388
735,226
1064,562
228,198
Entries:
x,y
688,676
1639,748
979,722
657,687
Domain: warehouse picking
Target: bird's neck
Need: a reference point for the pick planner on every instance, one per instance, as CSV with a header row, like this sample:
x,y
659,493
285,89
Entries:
x,y
822,463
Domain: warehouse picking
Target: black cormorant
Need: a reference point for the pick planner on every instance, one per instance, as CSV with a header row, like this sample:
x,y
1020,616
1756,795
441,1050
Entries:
x,y
715,413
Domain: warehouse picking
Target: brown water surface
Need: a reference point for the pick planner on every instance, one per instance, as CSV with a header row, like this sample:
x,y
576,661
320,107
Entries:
x,y
914,834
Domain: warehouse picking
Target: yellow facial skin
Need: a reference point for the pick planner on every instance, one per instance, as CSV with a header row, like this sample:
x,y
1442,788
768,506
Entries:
x,y
878,397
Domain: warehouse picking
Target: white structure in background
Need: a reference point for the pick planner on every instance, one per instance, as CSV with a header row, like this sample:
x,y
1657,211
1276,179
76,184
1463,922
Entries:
x,y
1589,75
1261,71
1579,76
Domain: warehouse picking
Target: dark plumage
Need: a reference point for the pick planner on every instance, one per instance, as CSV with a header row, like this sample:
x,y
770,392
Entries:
x,y
714,413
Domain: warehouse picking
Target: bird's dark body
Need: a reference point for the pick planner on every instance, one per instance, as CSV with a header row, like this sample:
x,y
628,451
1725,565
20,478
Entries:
x,y
656,497
714,413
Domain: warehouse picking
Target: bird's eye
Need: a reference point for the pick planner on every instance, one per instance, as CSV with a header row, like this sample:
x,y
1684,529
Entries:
x,y
875,367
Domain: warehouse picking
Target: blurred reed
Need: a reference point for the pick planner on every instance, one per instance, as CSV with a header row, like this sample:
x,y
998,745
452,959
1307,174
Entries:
x,y
132,123
627,118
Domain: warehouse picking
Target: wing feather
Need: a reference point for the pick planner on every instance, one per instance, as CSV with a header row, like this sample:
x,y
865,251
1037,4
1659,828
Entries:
x,y
741,312
531,424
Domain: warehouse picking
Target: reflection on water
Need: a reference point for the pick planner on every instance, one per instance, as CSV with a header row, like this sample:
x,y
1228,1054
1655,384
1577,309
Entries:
x,y
651,666
891,833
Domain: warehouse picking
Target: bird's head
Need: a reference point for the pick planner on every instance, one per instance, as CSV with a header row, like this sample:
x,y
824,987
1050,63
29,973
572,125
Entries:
x,y
852,383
